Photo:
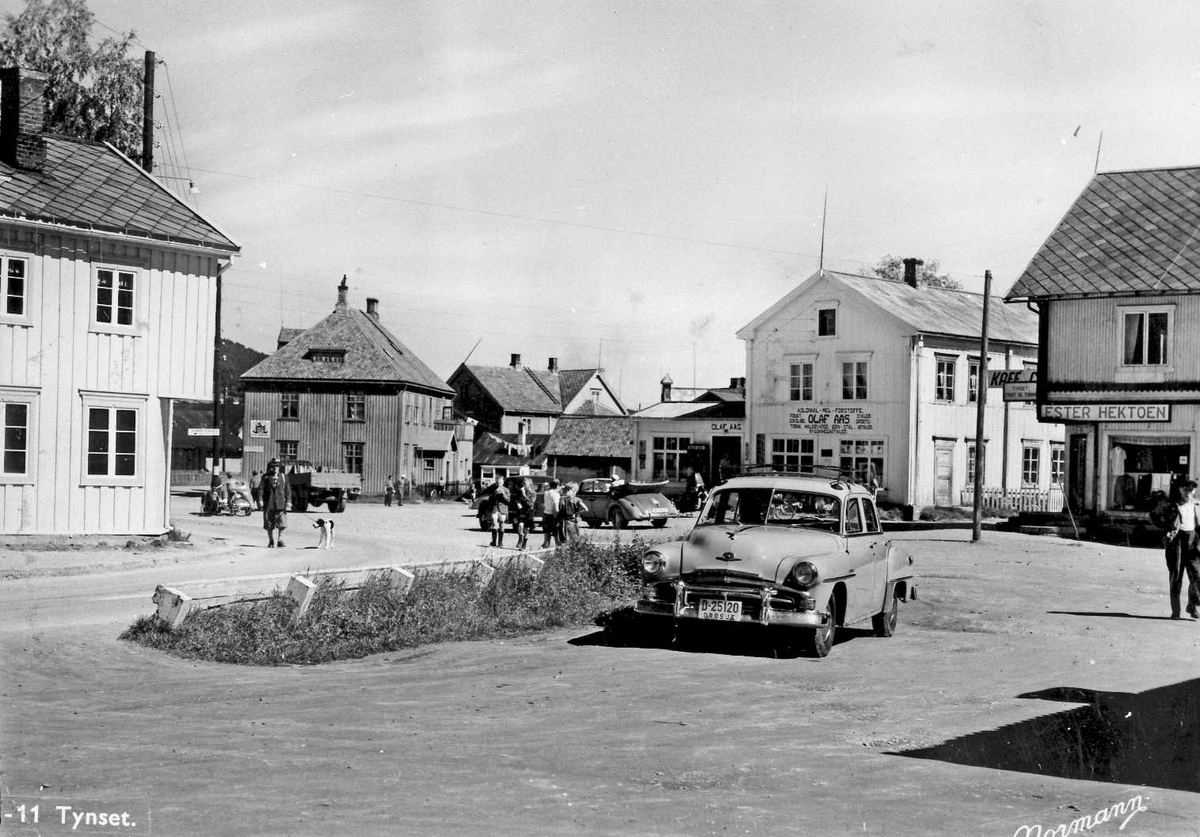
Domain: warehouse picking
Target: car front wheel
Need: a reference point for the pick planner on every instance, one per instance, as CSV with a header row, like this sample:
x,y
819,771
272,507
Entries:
x,y
884,622
818,641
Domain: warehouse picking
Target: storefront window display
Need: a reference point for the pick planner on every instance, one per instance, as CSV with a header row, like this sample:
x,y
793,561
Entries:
x,y
865,457
1138,467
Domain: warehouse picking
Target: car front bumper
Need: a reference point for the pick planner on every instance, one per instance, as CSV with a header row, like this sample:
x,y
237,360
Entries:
x,y
760,605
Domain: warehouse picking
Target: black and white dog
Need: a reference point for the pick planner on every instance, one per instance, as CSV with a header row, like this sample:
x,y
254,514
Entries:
x,y
326,527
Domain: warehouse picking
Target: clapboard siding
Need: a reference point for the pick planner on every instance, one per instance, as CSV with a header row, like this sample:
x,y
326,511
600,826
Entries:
x,y
167,355
1087,337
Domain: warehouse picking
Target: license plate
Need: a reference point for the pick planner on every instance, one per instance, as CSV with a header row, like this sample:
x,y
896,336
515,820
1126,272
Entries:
x,y
720,609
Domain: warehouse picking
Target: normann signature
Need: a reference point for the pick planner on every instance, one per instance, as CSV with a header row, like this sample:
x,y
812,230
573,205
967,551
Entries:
x,y
1123,811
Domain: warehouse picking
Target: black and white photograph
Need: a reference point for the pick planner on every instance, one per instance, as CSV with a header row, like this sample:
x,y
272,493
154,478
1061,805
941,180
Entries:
x,y
572,417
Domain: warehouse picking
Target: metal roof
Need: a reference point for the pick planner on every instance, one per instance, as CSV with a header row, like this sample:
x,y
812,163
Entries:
x,y
93,187
1130,232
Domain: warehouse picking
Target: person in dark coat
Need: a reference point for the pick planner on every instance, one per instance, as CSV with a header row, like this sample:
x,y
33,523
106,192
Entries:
x,y
1180,518
499,501
389,491
275,497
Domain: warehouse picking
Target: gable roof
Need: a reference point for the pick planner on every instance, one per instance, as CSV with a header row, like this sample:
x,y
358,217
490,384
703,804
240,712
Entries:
x,y
926,310
601,436
1129,232
519,389
90,186
594,408
372,354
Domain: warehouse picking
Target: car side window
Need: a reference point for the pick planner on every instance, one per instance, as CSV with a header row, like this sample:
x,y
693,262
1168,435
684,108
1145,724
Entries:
x,y
854,524
869,513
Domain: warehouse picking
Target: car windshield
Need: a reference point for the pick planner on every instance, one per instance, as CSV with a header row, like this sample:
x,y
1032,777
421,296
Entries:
x,y
773,507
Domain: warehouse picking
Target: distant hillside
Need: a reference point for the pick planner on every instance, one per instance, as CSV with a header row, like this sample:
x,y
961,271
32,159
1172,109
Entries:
x,y
235,359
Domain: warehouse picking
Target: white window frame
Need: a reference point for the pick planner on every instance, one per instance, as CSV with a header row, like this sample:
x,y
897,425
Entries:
x,y
822,307
95,324
1034,448
1144,311
1058,464
355,402
27,397
945,391
974,365
113,402
798,370
854,360
674,458
26,295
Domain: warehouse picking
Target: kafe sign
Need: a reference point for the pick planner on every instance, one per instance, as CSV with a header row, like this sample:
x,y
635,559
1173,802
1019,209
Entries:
x,y
1000,377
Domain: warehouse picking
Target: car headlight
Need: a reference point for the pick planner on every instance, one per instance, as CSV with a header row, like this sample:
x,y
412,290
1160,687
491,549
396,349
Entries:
x,y
804,574
653,563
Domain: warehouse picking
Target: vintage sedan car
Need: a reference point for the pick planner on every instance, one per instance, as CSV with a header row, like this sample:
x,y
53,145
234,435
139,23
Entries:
x,y
620,503
800,554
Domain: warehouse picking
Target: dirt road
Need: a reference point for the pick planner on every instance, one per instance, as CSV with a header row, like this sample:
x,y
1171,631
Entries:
x,y
564,734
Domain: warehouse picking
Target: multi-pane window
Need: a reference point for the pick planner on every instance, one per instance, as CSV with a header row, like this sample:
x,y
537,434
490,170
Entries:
x,y
114,297
112,442
972,381
1031,464
944,385
289,405
972,459
854,380
356,406
13,287
792,454
826,322
16,437
326,355
352,457
669,454
1147,335
863,457
1058,463
289,450
800,381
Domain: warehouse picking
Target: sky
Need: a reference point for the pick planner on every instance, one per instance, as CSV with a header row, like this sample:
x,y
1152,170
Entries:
x,y
626,184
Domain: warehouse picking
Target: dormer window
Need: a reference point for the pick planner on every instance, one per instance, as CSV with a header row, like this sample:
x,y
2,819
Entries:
x,y
326,355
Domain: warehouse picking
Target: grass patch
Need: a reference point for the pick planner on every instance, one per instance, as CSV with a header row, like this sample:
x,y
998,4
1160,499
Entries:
x,y
578,583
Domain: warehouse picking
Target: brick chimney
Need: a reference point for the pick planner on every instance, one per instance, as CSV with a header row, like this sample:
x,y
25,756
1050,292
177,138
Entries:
x,y
341,303
373,308
22,118
666,388
515,362
553,364
910,272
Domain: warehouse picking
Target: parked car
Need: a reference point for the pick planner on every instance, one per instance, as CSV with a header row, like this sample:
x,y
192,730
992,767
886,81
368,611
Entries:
x,y
800,554
620,503
513,484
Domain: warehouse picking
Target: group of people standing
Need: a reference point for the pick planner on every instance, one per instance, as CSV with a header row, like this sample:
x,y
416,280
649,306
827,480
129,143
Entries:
x,y
393,490
559,508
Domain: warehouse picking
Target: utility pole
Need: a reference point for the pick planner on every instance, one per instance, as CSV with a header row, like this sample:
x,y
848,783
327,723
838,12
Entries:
x,y
980,444
148,114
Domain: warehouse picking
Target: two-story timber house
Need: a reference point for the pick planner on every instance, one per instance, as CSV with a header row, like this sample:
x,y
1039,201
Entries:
x,y
108,297
1117,291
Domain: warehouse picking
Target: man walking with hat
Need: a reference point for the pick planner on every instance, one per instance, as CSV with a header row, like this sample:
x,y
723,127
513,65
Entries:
x,y
274,491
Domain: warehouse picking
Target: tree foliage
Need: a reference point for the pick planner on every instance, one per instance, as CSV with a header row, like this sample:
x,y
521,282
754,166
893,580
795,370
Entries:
x,y
92,92
892,267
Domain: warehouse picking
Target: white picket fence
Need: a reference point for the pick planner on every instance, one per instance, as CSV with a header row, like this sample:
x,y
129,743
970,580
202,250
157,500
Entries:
x,y
1021,500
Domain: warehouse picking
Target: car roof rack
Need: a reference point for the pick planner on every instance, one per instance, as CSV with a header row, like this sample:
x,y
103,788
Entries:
x,y
819,471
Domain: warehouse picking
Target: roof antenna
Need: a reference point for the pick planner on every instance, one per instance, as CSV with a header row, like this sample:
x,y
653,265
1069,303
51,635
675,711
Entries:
x,y
821,263
473,348
1096,169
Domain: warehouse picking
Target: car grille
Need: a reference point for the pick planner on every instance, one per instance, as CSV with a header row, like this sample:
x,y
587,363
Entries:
x,y
750,597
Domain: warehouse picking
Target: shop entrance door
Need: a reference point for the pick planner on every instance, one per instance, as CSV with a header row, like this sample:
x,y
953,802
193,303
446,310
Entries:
x,y
1077,472
943,472
727,456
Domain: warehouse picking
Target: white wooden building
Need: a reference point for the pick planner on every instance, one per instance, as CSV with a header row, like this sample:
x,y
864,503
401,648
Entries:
x,y
1117,287
108,288
882,377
